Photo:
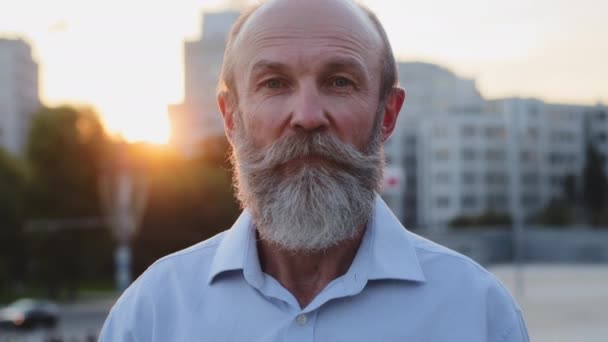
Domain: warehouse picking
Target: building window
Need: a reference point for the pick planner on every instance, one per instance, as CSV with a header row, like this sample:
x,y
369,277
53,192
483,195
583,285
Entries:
x,y
442,154
468,131
468,202
495,155
468,154
440,130
469,178
497,202
495,132
556,180
528,156
530,178
555,158
443,202
530,200
443,178
496,178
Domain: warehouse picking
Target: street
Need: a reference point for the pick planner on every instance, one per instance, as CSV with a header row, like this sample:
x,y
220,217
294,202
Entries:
x,y
80,321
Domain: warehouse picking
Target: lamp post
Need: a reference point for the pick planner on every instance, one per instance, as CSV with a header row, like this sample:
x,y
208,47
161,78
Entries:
x,y
124,197
517,215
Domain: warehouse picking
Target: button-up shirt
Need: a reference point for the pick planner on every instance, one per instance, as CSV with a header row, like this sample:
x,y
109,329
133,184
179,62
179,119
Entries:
x,y
399,287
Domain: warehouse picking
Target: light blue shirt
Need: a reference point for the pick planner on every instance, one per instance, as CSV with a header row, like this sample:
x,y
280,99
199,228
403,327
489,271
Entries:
x,y
400,287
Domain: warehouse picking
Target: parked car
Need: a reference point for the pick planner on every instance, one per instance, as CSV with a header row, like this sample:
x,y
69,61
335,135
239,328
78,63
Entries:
x,y
29,313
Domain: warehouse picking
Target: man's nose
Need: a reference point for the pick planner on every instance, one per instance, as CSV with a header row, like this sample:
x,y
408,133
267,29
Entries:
x,y
308,111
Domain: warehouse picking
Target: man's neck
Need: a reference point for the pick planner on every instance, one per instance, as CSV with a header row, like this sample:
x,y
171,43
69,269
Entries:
x,y
305,274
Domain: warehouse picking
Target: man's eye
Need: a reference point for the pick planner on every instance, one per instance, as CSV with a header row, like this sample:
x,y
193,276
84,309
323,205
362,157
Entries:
x,y
341,82
274,83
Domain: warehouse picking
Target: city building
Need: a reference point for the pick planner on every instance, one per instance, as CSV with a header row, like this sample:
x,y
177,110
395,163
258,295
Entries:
x,y
198,117
431,91
597,131
19,98
461,155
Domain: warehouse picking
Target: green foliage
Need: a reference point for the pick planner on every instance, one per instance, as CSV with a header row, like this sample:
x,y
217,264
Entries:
x,y
188,201
556,214
66,150
486,219
13,180
595,186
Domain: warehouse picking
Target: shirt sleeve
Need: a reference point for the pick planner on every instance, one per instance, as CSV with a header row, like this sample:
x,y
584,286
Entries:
x,y
128,315
116,329
518,332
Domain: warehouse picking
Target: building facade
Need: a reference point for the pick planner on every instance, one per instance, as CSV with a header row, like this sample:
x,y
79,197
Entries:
x,y
462,155
198,117
19,96
431,91
597,131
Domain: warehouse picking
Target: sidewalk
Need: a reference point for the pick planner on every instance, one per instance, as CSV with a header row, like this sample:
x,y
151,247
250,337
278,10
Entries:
x,y
561,302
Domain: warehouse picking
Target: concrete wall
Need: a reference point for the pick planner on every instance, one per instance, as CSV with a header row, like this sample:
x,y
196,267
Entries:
x,y
541,244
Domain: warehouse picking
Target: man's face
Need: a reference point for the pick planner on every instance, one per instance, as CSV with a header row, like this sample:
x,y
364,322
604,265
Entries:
x,y
301,68
308,127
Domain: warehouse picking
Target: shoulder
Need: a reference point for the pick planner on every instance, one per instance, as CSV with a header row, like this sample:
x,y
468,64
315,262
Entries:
x,y
177,268
470,286
168,283
439,261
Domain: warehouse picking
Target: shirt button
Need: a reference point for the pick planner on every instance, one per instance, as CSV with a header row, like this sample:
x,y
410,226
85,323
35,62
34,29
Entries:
x,y
301,319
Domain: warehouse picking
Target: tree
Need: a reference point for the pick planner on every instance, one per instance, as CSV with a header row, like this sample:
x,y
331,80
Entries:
x,y
485,219
595,184
12,203
65,152
188,200
557,213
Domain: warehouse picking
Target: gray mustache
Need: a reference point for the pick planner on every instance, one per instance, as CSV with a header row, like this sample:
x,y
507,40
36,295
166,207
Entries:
x,y
315,144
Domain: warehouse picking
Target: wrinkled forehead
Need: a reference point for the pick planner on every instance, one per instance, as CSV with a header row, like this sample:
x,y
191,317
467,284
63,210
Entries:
x,y
293,22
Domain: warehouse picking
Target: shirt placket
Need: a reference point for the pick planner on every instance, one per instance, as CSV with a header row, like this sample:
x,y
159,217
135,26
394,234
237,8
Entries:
x,y
302,327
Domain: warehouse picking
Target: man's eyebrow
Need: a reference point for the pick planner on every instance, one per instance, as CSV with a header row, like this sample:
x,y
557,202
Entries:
x,y
265,65
344,63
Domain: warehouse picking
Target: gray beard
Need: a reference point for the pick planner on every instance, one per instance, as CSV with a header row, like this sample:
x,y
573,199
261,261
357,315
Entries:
x,y
308,204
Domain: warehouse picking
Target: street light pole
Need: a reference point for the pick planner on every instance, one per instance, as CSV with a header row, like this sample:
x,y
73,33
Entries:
x,y
124,198
517,216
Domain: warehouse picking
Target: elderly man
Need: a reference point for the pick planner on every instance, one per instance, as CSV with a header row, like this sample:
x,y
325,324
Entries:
x,y
309,95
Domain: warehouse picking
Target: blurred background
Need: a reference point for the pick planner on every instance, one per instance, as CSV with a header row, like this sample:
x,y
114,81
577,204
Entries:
x,y
113,154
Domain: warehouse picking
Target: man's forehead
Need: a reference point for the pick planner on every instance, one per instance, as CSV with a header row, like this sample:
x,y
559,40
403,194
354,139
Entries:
x,y
297,19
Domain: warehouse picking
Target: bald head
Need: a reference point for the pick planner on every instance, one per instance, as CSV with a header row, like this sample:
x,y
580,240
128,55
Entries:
x,y
291,19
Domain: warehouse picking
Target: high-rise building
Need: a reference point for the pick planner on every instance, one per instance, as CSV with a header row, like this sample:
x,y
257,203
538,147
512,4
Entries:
x,y
198,117
19,97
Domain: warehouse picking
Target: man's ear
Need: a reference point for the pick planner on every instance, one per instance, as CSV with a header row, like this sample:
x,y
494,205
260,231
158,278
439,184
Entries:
x,y
391,111
227,105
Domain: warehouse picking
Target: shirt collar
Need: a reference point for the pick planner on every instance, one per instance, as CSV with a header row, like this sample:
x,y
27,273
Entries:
x,y
235,247
386,251
391,253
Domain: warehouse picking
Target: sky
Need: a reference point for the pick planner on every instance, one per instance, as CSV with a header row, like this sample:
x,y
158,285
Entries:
x,y
124,57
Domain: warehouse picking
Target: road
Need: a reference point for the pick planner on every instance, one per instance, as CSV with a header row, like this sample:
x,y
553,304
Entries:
x,y
80,321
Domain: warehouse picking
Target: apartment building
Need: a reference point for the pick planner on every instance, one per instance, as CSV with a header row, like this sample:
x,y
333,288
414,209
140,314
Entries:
x,y
19,97
198,117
